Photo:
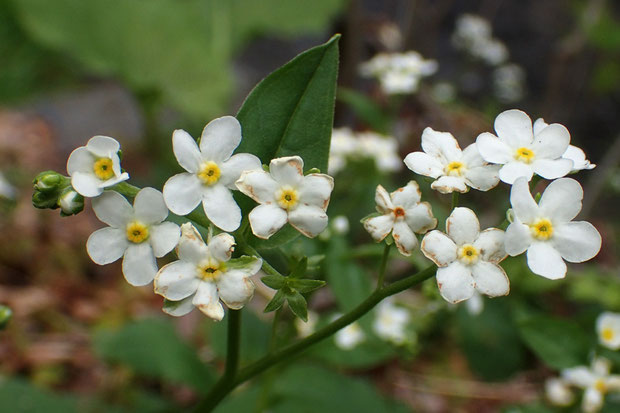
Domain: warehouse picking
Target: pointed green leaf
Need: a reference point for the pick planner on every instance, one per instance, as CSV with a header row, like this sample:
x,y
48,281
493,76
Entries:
x,y
305,286
276,302
242,262
298,304
274,281
300,269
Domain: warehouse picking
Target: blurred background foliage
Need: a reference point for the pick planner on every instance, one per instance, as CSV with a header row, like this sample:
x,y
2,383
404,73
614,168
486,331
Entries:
x,y
81,339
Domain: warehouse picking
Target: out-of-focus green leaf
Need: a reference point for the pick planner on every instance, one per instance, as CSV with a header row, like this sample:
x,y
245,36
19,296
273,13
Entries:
x,y
365,108
605,34
255,334
152,348
21,397
528,408
369,353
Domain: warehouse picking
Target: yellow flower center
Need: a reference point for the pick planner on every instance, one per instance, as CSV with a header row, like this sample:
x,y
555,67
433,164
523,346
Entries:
x,y
209,173
542,229
103,168
137,232
287,197
524,155
600,386
468,254
211,270
454,168
607,334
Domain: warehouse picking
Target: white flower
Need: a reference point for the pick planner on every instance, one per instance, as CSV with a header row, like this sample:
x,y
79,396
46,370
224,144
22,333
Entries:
x,y
343,145
286,195
608,330
95,166
546,231
508,83
453,169
205,274
558,392
467,258
340,224
523,151
349,337
473,35
402,214
575,154
211,172
390,322
6,189
138,233
306,328
383,149
399,72
595,380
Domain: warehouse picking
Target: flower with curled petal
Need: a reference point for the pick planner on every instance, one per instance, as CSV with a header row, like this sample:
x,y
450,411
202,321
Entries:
x,y
467,258
212,170
546,229
286,195
205,274
452,168
403,215
138,233
523,151
95,166
595,380
608,330
575,154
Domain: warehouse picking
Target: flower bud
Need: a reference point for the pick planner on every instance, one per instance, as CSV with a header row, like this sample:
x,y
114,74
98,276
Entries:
x,y
48,181
5,316
70,202
45,200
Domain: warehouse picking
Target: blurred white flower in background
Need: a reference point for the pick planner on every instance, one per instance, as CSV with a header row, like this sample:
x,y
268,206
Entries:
x,y
391,321
398,73
347,145
596,381
305,328
6,189
349,337
509,83
608,330
473,35
558,392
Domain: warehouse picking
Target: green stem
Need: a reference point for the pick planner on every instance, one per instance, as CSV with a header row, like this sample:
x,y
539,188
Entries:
x,y
455,199
251,251
384,260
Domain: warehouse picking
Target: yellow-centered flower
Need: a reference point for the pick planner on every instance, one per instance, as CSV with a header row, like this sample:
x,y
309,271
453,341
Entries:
x,y
137,232
209,173
103,168
211,270
454,168
468,254
287,197
542,229
524,155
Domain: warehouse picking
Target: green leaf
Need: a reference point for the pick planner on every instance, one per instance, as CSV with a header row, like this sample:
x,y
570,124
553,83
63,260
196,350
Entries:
x,y
298,304
152,348
291,111
21,396
305,286
365,108
559,343
274,281
244,261
285,235
276,302
300,269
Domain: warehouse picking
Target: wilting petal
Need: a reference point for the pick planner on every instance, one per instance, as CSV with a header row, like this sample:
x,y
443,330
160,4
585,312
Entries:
x,y
404,238
176,280
407,196
420,218
164,237
462,225
552,169
106,245
308,219
439,248
113,209
183,193
441,145
514,170
235,166
493,150
139,266
258,185
316,189
551,142
266,220
288,170
379,227
490,279
545,261
191,247
186,151
221,247
576,241
220,207
424,164
490,243
383,200
561,200
523,205
515,128
80,160
207,301
149,206
449,184
455,282
86,184
220,138
235,288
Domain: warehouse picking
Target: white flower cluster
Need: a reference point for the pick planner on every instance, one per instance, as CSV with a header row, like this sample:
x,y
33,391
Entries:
x,y
205,272
467,258
348,145
473,35
398,73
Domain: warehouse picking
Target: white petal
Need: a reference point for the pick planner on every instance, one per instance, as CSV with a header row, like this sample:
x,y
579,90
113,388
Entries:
x,y
235,166
404,238
424,164
149,206
207,301
220,138
471,157
183,193
407,196
518,238
552,169
441,145
235,288
113,209
551,142
220,207
191,247
316,189
592,400
580,376
514,170
258,185
80,160
106,245
103,146
439,248
490,279
449,184
482,178
523,205
221,247
545,261
455,282
379,227
186,151
266,220
420,218
288,170
493,150
463,226
308,219
139,266
490,243
115,179
539,125
515,128
164,237
576,241
176,280
86,184
609,321
561,200
179,308
383,200
578,156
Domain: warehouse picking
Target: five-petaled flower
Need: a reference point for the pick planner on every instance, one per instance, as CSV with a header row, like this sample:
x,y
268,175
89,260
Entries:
x,y
211,173
546,229
286,195
138,233
402,214
595,380
467,258
608,330
95,166
452,168
206,274
524,151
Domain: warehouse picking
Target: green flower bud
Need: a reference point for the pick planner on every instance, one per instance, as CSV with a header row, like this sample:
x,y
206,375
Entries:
x,y
70,202
5,316
45,200
49,181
